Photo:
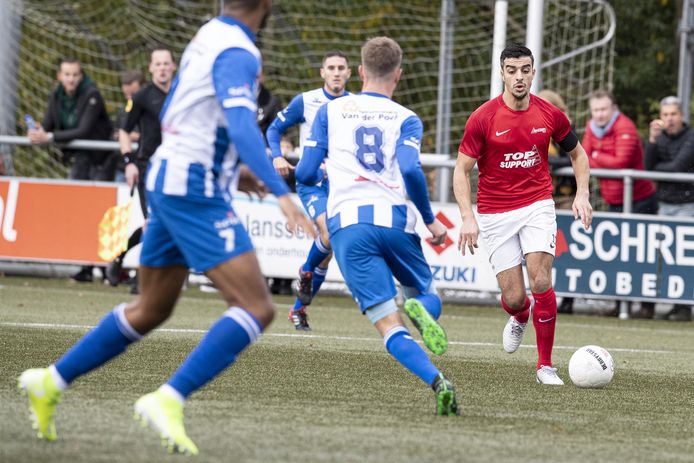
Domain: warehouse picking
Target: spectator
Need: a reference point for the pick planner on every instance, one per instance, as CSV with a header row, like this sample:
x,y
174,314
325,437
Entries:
x,y
131,81
612,142
564,186
670,148
143,112
76,110
268,106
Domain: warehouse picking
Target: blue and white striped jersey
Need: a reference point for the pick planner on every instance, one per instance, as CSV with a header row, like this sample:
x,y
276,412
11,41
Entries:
x,y
209,118
370,145
301,110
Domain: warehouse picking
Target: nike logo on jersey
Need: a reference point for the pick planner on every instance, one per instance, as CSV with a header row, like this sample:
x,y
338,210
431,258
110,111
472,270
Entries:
x,y
547,320
498,134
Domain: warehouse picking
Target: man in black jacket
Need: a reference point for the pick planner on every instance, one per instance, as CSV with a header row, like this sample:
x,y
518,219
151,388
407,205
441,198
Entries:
x,y
76,110
670,148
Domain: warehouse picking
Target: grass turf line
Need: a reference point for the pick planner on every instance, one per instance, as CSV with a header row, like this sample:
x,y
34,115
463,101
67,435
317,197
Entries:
x,y
329,399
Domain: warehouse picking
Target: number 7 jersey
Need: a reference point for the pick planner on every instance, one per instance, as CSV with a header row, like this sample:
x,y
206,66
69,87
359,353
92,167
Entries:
x,y
362,134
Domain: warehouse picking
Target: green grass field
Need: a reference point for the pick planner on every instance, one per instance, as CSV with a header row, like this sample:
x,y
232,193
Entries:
x,y
335,395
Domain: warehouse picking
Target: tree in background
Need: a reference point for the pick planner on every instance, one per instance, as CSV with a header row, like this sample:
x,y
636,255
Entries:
x,y
647,51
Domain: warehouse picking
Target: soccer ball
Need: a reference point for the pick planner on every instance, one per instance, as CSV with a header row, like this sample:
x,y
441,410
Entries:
x,y
591,366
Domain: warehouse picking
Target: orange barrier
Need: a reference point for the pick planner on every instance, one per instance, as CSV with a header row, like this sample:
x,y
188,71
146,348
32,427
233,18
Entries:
x,y
56,221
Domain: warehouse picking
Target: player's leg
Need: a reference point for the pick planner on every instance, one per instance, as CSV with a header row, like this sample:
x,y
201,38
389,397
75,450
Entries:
x,y
251,310
321,269
359,254
506,260
312,272
406,351
214,241
538,238
125,324
403,254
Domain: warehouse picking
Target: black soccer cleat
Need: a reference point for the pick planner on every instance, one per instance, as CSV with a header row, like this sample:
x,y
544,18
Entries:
x,y
303,287
446,404
300,319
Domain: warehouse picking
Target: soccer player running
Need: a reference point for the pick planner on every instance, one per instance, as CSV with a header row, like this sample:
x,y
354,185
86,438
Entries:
x,y
370,146
143,112
209,123
301,110
508,137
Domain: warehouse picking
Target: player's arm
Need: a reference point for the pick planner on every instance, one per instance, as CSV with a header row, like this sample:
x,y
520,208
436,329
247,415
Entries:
x,y
469,230
308,170
134,111
579,159
234,73
291,115
407,153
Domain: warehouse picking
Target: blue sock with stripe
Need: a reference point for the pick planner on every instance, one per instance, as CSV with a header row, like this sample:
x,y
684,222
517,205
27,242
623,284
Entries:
x,y
405,350
432,303
224,341
317,254
107,340
318,278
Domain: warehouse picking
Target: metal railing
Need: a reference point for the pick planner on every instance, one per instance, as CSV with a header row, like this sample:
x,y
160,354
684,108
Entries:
x,y
443,162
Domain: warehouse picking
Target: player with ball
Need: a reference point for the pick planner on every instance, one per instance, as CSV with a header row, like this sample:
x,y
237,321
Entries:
x,y
508,138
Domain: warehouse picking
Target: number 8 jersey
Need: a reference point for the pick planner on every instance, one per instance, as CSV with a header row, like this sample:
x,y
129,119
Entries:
x,y
362,134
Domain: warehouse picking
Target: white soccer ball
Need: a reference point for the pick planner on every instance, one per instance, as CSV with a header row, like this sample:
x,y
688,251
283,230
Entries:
x,y
591,366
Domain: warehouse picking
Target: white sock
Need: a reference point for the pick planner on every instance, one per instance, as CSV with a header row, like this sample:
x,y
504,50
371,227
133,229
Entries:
x,y
57,379
166,389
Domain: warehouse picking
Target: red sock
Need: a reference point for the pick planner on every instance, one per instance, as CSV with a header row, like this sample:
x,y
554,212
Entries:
x,y
545,320
521,315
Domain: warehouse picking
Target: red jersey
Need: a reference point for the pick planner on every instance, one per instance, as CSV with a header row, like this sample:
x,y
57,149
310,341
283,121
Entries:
x,y
511,151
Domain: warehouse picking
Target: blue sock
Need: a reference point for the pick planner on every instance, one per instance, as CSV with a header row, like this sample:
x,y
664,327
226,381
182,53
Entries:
x,y
432,303
110,338
297,305
225,340
316,255
400,345
318,278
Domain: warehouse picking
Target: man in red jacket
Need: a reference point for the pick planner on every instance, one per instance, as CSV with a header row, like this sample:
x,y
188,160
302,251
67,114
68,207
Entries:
x,y
612,142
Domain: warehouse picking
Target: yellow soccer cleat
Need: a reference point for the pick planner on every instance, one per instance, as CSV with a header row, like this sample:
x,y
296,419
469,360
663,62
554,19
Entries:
x,y
44,396
165,415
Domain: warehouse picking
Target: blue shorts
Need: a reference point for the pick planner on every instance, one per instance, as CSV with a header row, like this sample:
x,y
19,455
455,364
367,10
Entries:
x,y
197,232
314,198
370,256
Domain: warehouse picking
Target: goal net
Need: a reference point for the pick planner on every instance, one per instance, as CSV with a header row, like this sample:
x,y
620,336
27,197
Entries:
x,y
109,36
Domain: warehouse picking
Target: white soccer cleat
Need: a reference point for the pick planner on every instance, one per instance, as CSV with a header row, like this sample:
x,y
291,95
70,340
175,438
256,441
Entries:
x,y
513,334
548,375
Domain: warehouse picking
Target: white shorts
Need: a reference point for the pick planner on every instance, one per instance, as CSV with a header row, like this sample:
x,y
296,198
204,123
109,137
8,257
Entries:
x,y
509,236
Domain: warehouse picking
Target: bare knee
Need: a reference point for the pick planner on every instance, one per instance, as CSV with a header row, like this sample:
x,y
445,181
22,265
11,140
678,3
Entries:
x,y
515,299
263,311
144,317
541,282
